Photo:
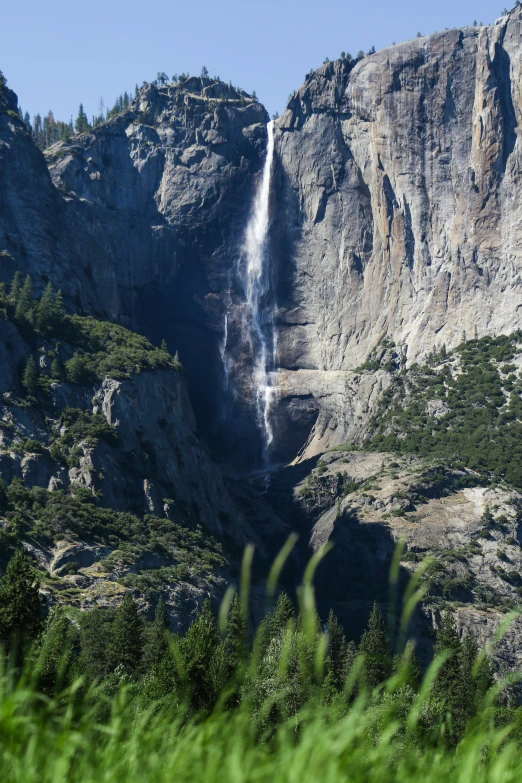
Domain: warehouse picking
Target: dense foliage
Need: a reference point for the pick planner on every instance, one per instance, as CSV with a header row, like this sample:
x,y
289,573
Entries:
x,y
464,407
82,348
110,690
52,347
47,130
43,517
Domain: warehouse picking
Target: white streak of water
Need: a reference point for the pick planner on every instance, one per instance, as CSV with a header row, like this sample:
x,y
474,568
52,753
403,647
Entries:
x,y
256,277
223,352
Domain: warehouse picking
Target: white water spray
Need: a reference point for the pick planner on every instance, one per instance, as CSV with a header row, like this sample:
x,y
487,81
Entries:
x,y
223,352
255,273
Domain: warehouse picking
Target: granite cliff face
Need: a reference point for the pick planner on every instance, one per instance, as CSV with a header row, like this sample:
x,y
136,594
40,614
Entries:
x,y
397,209
394,227
394,213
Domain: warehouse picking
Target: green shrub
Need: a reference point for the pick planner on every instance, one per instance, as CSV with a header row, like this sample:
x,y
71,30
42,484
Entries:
x,y
34,447
479,428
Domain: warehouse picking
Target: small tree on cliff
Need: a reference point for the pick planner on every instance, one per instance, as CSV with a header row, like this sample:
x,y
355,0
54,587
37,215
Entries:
x,y
25,301
82,123
30,376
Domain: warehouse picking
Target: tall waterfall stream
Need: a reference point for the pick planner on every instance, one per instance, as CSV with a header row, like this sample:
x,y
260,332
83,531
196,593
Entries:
x,y
255,272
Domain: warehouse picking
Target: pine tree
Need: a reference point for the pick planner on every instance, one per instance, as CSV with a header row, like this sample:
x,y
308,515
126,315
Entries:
x,y
20,604
163,346
3,495
274,624
82,123
453,683
45,310
203,658
337,648
468,684
236,642
409,666
128,635
57,657
157,642
58,310
76,369
483,680
447,637
25,300
30,376
98,647
329,689
473,685
284,613
37,128
16,287
56,369
376,648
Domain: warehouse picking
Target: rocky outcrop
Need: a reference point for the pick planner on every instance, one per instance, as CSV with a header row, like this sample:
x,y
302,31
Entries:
x,y
87,575
366,503
154,460
108,482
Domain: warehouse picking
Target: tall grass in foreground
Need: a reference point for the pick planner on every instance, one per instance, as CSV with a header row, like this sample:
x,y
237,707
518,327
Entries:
x,y
389,733
45,740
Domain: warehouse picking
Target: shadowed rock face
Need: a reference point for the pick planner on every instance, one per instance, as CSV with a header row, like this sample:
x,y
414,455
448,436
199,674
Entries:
x,y
169,186
145,224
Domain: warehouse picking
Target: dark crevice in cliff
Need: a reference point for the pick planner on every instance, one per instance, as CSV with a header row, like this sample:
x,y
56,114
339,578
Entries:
x,y
501,67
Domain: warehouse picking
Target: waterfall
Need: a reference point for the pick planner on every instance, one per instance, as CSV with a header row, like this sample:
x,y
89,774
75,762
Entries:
x,y
223,353
255,273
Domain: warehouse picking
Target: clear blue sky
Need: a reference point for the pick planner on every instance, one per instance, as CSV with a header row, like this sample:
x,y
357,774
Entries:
x,y
56,54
